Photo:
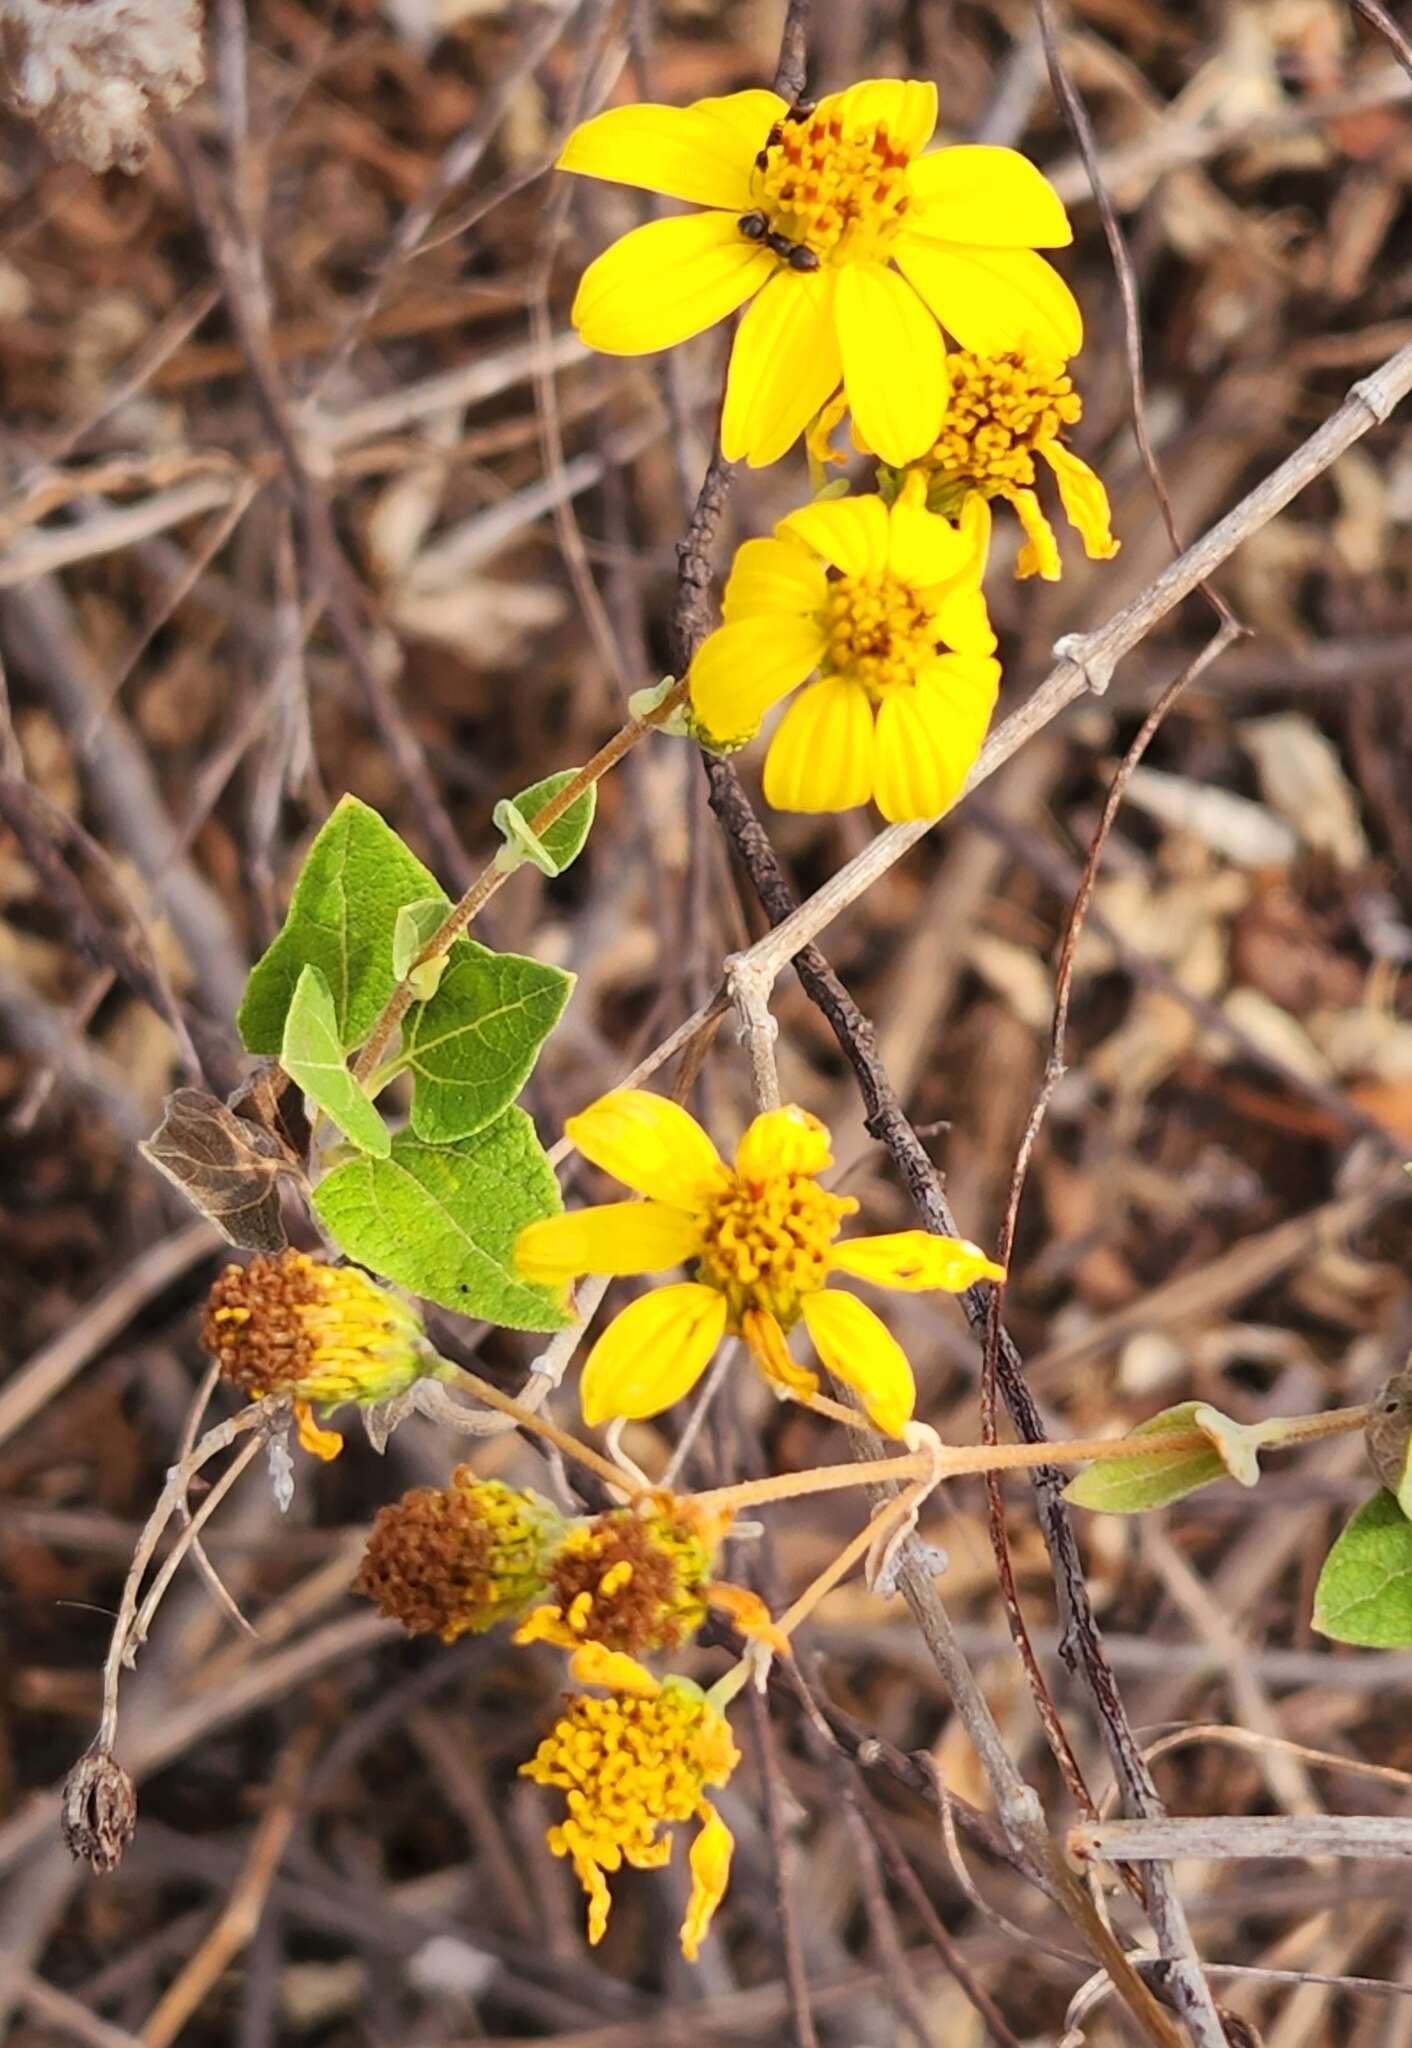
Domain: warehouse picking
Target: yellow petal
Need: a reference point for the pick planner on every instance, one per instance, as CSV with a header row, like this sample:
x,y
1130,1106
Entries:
x,y
859,1348
894,362
319,1443
906,107
963,621
697,153
710,1862
852,533
975,522
600,1899
653,1353
765,1341
614,1670
546,1625
925,747
913,1260
979,193
784,365
1040,554
1084,500
747,665
653,1146
615,1237
816,440
924,549
993,300
783,1141
748,1612
773,576
821,757
666,281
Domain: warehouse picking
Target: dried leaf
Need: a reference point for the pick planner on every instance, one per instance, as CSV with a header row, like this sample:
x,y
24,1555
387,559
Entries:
x,y
227,1168
90,77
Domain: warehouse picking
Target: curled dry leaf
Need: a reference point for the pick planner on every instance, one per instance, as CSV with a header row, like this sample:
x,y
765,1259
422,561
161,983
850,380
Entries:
x,y
226,1167
91,74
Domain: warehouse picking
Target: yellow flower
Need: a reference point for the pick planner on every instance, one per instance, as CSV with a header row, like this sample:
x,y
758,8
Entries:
x,y
1004,410
458,1559
321,1334
851,244
884,603
629,1765
761,1237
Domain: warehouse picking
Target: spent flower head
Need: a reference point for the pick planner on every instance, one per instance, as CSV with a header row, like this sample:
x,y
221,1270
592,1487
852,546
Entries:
x,y
760,1238
320,1334
636,1579
853,248
882,606
456,1560
629,1765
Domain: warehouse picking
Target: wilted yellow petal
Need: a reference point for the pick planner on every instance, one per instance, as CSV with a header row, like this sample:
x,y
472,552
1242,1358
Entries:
x,y
993,300
653,1353
784,364
653,1146
1040,554
859,1348
894,362
319,1443
710,1861
747,665
615,1237
666,281
614,1670
914,1260
978,193
821,757
766,1343
1084,500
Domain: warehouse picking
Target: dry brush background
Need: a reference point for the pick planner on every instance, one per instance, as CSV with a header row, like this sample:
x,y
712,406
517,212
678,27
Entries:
x,y
307,487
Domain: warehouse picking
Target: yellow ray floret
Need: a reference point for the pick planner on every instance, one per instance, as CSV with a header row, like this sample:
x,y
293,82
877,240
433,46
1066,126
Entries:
x,y
629,1765
881,606
760,1236
852,248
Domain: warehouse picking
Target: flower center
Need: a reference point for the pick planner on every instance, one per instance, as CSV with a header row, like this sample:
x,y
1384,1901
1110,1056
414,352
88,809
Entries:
x,y
823,195
880,632
999,410
767,1243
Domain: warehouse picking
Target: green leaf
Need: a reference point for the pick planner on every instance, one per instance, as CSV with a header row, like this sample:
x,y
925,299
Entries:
x,y
441,1220
1130,1486
342,915
563,842
1364,1594
312,1056
473,1046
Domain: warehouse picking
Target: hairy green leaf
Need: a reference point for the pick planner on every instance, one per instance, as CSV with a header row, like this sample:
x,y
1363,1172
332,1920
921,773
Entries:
x,y
342,916
441,1220
1130,1486
563,842
1364,1594
473,1046
313,1058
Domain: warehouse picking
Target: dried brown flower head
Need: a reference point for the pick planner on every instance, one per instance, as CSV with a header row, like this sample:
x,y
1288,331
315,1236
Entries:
x,y
99,1810
635,1579
455,1560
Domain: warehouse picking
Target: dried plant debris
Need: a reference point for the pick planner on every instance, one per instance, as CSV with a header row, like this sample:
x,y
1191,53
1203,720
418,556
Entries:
x,y
93,74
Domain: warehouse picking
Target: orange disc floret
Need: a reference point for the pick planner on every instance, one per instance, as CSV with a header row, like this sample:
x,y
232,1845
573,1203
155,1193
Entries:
x,y
456,1560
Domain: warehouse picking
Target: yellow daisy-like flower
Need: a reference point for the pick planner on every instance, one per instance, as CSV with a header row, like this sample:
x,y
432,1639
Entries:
x,y
883,604
850,244
760,1236
1004,410
321,1334
629,1765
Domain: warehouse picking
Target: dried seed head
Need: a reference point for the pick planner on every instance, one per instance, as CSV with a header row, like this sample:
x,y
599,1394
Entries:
x,y
455,1560
634,1579
99,1810
299,1326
